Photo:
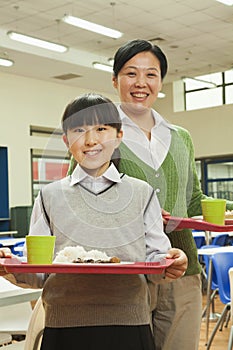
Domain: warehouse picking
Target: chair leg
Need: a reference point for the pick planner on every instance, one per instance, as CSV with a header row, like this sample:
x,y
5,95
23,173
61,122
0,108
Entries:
x,y
211,300
219,322
230,341
37,340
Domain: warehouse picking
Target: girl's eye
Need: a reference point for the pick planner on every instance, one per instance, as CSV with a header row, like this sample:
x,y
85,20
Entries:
x,y
78,130
101,128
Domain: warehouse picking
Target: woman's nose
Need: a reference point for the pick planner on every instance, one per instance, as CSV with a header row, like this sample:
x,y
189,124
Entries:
x,y
140,81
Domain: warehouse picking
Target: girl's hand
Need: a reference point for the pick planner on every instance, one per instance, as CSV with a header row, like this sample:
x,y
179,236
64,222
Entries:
x,y
4,253
180,264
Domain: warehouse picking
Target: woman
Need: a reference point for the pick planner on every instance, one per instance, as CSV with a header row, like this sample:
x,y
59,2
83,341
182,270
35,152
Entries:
x,y
162,154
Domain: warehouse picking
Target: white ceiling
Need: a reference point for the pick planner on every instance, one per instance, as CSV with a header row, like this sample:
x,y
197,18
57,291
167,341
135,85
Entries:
x,y
197,36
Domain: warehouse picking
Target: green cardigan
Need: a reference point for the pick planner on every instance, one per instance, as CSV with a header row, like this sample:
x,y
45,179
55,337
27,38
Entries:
x,y
177,186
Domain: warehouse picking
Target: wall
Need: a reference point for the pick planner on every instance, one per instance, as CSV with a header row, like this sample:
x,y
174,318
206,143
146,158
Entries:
x,y
26,102
211,128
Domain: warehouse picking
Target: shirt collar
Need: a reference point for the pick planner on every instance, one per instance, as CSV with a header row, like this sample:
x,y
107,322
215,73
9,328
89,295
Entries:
x,y
159,120
80,175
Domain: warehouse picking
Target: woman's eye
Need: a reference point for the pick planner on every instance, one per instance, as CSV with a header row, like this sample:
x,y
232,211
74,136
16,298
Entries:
x,y
131,74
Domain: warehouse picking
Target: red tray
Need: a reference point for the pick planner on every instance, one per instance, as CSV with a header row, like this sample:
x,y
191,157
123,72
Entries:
x,y
13,265
175,223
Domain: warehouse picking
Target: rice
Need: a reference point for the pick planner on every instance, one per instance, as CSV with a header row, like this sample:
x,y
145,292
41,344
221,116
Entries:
x,y
72,254
69,254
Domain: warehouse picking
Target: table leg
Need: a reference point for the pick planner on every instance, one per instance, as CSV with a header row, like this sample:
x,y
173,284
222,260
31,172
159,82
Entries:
x,y
208,297
208,237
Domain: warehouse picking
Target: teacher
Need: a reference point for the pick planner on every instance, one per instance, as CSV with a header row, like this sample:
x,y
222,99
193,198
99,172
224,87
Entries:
x,y
163,155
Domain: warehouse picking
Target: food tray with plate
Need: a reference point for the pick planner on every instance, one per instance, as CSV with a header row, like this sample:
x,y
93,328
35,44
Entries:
x,y
177,223
13,265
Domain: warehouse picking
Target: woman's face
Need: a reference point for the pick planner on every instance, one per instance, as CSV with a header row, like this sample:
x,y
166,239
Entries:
x,y
139,81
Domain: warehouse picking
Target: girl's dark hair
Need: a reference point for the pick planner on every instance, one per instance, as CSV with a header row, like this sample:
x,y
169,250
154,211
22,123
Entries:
x,y
132,48
92,109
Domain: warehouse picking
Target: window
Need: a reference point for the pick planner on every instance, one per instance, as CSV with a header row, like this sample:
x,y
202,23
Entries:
x,y
217,177
50,163
208,90
45,169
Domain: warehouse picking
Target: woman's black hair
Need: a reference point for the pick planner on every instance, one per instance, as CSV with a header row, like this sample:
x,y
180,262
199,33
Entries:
x,y
132,48
92,109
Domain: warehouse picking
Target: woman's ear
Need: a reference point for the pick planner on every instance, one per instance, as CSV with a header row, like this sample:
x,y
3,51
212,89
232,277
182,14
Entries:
x,y
65,139
114,81
119,138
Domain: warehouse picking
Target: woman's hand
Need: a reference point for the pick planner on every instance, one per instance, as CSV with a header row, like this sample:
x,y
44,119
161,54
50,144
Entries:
x,y
4,253
164,213
180,264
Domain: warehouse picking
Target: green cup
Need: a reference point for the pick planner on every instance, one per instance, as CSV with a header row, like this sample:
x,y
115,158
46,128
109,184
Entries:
x,y
213,210
40,249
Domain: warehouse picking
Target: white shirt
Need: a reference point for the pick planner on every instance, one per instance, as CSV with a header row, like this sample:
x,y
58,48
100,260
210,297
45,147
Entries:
x,y
154,235
153,151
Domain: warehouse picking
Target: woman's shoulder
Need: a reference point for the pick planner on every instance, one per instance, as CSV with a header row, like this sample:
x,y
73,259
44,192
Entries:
x,y
180,132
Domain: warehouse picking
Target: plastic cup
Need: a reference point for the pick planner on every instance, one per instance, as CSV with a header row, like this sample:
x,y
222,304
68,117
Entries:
x,y
40,249
213,210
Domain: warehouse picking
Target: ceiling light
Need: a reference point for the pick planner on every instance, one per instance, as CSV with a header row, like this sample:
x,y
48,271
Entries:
x,y
205,83
161,95
111,61
37,42
226,2
6,62
102,66
93,27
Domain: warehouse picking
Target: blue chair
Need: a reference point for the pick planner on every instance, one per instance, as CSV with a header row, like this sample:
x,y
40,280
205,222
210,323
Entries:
x,y
200,241
222,262
221,239
214,283
15,251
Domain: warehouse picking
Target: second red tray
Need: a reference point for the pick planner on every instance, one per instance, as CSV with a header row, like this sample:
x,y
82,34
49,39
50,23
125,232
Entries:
x,y
175,223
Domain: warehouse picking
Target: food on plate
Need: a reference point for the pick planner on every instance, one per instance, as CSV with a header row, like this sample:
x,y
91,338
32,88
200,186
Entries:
x,y
79,255
229,214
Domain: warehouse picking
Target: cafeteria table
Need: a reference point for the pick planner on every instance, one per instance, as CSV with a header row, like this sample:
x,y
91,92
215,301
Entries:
x,y
11,294
210,252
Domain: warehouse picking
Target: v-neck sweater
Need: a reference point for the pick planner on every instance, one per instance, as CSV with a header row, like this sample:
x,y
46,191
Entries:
x,y
110,221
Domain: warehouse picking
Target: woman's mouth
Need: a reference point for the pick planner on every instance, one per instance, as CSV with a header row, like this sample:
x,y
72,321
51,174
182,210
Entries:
x,y
139,94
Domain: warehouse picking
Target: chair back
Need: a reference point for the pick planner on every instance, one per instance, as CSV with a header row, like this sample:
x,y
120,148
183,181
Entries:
x,y
16,251
222,262
230,273
221,239
36,327
199,240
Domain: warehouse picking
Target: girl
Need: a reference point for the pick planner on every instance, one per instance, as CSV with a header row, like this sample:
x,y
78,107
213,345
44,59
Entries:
x,y
98,208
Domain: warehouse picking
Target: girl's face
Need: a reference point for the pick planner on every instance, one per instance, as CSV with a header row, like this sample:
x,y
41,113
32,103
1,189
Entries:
x,y
92,146
139,81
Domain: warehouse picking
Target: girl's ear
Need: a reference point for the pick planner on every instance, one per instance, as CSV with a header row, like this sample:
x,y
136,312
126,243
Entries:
x,y
64,137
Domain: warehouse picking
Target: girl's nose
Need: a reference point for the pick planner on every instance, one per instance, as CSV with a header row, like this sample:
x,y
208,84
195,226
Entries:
x,y
90,137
